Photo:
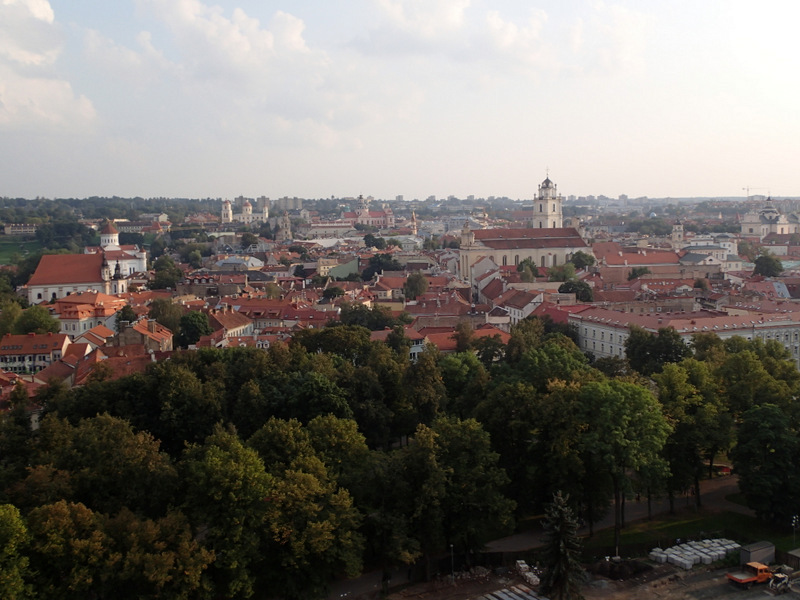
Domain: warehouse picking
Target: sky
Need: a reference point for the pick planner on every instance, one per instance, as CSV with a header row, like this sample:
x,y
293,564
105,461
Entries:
x,y
195,98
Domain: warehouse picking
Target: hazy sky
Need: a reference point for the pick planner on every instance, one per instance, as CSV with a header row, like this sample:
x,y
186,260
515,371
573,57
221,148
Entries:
x,y
197,98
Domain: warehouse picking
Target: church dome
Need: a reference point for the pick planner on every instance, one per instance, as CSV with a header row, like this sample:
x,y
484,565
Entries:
x,y
109,228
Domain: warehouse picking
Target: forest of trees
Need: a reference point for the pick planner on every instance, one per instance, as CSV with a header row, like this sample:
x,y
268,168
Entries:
x,y
233,473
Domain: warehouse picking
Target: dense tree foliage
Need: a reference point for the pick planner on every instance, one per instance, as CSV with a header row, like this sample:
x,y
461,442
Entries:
x,y
251,472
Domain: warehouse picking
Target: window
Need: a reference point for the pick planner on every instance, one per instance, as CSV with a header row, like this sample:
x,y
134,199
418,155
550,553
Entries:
x,y
541,209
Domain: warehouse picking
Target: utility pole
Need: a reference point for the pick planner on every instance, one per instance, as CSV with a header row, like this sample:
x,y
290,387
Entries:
x,y
452,565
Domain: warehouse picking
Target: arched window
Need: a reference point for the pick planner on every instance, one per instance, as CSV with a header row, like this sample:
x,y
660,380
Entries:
x,y
555,260
541,207
516,259
554,207
543,261
505,260
540,224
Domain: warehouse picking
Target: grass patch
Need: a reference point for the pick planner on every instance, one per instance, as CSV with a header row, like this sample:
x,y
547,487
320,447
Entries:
x,y
11,245
663,531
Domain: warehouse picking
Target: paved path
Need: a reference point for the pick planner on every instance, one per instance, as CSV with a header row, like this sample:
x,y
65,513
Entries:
x,y
713,493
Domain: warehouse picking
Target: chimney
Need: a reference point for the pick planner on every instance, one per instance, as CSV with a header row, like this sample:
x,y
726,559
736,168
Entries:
x,y
151,325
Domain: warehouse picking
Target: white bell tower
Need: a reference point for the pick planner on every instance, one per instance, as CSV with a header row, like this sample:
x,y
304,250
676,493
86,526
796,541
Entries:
x,y
547,206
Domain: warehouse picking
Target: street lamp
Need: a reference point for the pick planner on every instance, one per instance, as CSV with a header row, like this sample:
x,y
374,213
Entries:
x,y
452,565
795,524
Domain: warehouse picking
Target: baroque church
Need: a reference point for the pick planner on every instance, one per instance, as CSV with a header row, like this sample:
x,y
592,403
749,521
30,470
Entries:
x,y
768,219
546,242
105,268
248,214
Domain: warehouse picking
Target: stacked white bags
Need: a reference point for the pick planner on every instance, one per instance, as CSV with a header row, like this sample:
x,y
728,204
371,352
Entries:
x,y
692,553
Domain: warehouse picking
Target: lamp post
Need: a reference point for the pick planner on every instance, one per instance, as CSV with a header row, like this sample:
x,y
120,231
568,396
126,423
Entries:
x,y
452,565
795,523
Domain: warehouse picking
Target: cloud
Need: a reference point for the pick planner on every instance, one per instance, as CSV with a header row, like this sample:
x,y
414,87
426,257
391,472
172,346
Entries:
x,y
426,18
30,95
606,37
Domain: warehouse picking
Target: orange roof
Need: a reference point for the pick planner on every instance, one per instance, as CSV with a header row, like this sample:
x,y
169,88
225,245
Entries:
x,y
108,228
33,343
58,269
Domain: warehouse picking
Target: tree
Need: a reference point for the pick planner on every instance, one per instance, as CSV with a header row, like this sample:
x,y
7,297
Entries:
x,y
528,271
464,336
228,496
167,314
195,259
109,465
332,292
416,285
249,239
626,431
370,241
581,289
380,263
563,573
167,273
14,564
126,313
36,319
581,260
70,550
565,272
647,353
11,312
193,325
637,272
473,504
765,459
768,265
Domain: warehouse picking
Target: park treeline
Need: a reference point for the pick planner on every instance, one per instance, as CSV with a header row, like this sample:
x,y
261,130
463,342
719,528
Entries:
x,y
241,472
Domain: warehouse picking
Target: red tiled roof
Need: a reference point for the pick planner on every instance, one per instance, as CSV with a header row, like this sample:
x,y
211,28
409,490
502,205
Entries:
x,y
33,343
55,269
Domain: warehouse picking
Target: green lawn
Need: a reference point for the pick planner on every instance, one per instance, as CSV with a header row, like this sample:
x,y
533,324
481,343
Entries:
x,y
664,530
11,245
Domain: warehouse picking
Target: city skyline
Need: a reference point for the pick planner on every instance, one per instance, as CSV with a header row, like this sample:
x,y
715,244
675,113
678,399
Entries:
x,y
416,98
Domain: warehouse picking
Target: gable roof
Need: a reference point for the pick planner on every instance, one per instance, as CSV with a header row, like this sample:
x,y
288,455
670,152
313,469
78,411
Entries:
x,y
60,269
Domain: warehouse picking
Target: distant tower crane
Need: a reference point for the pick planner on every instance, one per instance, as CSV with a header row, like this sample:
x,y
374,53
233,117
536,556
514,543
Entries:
x,y
748,188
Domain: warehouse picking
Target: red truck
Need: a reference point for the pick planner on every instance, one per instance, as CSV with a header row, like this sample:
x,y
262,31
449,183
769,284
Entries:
x,y
753,572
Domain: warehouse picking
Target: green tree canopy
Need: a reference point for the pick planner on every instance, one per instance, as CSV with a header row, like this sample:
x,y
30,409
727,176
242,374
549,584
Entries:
x,y
36,319
768,265
193,325
581,289
416,285
565,272
563,573
581,260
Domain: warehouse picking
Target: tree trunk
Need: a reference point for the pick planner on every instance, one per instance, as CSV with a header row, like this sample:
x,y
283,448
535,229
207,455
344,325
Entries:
x,y
671,496
649,505
699,502
617,515
622,512
711,466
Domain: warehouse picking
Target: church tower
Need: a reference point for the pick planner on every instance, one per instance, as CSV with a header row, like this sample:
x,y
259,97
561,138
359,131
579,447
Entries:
x,y
547,207
677,235
284,233
227,212
109,237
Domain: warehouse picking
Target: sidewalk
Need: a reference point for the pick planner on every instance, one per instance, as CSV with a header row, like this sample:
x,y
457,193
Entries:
x,y
712,492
